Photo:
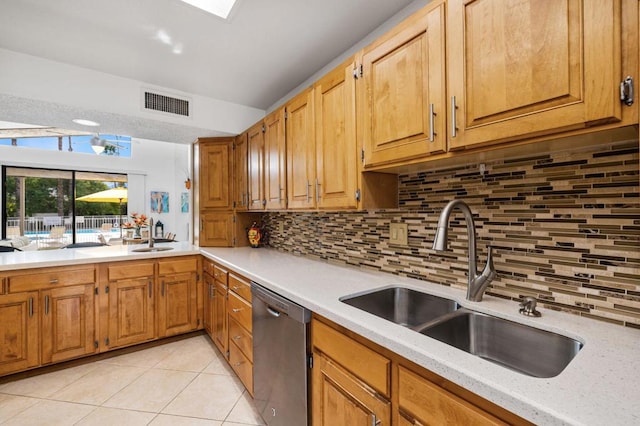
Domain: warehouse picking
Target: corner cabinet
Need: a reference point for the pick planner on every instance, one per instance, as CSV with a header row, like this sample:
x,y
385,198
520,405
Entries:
x,y
401,99
178,298
535,69
131,292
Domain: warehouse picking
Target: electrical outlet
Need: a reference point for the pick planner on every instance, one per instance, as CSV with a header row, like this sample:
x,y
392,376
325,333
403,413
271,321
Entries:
x,y
398,234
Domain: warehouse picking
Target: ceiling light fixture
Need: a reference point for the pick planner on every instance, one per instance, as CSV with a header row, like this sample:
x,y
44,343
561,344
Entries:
x,y
97,145
220,8
84,122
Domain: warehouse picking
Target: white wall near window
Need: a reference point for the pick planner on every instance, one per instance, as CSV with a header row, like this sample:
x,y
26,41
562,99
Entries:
x,y
153,166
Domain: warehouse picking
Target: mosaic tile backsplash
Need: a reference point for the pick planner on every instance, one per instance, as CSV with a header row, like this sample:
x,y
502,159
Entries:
x,y
565,228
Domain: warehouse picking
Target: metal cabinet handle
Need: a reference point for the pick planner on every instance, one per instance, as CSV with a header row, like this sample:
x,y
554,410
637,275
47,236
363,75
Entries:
x,y
432,132
162,288
236,309
453,117
238,364
46,305
237,338
273,312
308,186
317,191
54,281
374,420
150,288
30,306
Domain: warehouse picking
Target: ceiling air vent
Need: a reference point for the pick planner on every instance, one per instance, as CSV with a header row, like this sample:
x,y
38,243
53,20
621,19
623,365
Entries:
x,y
168,104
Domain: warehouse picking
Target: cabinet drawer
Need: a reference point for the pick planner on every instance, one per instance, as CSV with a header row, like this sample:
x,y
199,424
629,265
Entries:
x,y
241,338
177,266
220,274
242,366
240,286
431,404
207,266
123,271
240,311
48,278
366,364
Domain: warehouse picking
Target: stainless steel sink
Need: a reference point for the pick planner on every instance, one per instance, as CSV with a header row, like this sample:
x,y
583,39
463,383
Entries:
x,y
525,349
402,305
151,249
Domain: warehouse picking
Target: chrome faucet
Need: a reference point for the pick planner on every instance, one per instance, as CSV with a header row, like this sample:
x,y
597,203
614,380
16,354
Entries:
x,y
150,232
477,283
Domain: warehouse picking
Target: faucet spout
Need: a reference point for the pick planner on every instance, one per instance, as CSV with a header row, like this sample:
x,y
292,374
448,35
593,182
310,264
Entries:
x,y
477,282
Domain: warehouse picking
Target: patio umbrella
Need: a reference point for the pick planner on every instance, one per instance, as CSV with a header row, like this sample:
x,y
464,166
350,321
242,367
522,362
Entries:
x,y
113,195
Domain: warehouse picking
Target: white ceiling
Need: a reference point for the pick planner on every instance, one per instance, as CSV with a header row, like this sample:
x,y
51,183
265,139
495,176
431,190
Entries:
x,y
266,49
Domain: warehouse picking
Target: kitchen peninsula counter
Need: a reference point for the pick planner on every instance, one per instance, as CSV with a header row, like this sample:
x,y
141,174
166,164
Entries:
x,y
78,256
600,385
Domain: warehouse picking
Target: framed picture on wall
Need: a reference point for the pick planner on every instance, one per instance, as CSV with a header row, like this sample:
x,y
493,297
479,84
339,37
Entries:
x,y
159,202
184,202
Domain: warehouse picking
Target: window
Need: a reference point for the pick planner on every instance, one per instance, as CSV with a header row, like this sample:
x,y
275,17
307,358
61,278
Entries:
x,y
53,208
102,144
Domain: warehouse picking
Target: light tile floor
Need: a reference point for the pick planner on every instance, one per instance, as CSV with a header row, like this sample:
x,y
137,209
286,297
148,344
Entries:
x,y
186,382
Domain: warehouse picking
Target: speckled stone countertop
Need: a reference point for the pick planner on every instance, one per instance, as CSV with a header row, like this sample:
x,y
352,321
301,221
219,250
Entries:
x,y
601,386
43,258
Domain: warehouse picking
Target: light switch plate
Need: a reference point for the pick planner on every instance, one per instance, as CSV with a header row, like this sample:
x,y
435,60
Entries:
x,y
398,234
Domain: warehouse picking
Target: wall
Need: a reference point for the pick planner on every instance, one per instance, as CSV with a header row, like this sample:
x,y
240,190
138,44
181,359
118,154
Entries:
x,y
565,228
154,166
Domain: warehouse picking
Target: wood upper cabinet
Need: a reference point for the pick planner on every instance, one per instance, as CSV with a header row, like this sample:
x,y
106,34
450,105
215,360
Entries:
x,y
216,229
275,173
401,99
337,160
531,69
68,322
214,177
241,172
177,296
302,185
19,331
255,172
131,290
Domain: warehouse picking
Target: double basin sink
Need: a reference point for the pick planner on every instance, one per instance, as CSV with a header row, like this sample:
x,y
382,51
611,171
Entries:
x,y
516,346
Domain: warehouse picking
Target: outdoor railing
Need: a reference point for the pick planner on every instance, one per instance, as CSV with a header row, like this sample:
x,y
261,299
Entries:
x,y
40,227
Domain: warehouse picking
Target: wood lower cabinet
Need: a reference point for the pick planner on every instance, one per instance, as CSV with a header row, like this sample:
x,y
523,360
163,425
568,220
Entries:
x,y
209,294
426,403
356,382
131,293
68,322
240,329
219,310
340,398
19,332
177,296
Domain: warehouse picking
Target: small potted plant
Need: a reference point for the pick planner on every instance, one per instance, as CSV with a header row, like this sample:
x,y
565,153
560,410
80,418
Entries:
x,y
139,221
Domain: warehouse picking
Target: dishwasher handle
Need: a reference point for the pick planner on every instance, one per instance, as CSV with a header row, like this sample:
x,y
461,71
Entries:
x,y
273,312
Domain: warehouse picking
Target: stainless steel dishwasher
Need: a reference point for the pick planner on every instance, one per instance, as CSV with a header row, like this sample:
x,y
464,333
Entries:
x,y
280,358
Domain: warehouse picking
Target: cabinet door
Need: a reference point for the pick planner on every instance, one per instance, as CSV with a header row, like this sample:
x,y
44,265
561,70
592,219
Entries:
x,y
339,398
275,176
215,176
530,69
131,311
177,304
220,324
255,141
19,332
241,173
301,161
68,322
403,91
430,404
216,229
209,292
336,146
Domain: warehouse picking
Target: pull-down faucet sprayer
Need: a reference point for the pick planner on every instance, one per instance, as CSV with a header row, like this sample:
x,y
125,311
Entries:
x,y
477,282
